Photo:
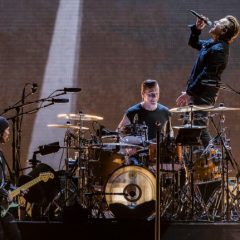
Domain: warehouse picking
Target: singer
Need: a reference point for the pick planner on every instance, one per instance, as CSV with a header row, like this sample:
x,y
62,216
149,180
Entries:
x,y
210,64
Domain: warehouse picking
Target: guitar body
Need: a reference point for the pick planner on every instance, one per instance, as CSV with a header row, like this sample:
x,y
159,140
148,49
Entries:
x,y
4,205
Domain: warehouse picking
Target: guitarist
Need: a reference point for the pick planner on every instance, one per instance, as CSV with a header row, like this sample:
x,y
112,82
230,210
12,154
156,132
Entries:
x,y
8,226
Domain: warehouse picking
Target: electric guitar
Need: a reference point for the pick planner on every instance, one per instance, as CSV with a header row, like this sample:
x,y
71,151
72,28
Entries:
x,y
4,205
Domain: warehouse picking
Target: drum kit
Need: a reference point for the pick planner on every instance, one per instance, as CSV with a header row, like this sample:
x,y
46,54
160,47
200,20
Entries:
x,y
104,175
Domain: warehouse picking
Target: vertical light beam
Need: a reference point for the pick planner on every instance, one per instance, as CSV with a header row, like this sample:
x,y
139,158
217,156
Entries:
x,y
61,71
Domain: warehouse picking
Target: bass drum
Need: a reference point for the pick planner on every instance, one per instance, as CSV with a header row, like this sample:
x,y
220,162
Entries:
x,y
130,192
42,192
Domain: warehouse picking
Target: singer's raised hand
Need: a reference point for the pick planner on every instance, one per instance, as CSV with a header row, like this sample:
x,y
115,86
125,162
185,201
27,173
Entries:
x,y
200,24
183,100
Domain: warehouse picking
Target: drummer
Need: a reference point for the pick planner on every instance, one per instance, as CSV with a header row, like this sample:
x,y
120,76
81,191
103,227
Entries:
x,y
148,112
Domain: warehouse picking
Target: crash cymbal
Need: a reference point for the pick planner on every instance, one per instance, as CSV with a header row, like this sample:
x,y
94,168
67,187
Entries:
x,y
80,116
189,126
219,109
67,126
191,108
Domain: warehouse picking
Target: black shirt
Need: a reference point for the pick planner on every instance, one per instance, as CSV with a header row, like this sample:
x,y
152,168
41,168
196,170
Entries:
x,y
160,114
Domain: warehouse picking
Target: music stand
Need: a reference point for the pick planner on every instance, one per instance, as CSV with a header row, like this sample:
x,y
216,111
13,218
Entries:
x,y
190,137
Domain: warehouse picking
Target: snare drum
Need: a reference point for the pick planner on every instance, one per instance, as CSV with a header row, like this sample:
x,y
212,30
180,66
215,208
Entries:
x,y
134,134
206,166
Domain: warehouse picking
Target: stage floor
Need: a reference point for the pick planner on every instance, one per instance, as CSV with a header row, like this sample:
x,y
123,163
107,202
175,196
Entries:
x,y
110,229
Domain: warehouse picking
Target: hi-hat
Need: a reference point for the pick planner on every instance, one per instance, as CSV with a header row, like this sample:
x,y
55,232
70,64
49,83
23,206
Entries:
x,y
80,116
190,108
189,126
70,126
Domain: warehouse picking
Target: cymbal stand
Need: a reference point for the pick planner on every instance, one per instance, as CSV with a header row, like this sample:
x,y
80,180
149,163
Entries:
x,y
67,181
190,192
81,163
224,169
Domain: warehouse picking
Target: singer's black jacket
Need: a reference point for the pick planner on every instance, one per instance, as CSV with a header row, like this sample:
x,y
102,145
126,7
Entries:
x,y
210,64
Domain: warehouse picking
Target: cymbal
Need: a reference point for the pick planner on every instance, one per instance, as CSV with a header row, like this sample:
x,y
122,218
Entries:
x,y
122,145
80,116
219,109
67,126
191,108
189,126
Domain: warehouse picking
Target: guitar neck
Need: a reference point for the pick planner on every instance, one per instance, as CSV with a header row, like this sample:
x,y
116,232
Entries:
x,y
16,192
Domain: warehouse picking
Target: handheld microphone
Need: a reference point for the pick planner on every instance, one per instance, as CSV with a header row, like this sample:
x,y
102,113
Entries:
x,y
71,90
212,83
59,100
209,23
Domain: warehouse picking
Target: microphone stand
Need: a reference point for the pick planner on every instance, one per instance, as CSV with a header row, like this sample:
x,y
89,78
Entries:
x,y
16,131
226,87
158,184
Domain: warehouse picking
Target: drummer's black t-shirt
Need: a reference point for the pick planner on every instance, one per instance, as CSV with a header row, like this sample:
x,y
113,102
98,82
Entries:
x,y
160,114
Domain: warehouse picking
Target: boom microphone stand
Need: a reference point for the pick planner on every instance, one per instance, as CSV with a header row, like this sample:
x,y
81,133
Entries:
x,y
16,127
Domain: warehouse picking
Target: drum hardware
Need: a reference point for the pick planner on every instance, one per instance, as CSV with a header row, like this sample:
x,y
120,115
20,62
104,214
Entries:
x,y
187,126
230,207
219,202
134,134
190,136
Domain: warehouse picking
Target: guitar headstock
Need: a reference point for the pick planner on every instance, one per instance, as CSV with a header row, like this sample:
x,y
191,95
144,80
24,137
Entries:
x,y
45,176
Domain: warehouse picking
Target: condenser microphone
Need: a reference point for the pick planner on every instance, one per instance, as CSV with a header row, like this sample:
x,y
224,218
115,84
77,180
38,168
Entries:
x,y
70,90
212,83
34,87
59,100
209,23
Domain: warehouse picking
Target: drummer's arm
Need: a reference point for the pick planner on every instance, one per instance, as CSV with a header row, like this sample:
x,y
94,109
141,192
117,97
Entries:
x,y
125,121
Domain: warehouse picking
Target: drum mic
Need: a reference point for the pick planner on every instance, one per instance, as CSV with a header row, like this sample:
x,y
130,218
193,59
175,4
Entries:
x,y
168,129
209,23
211,116
135,119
